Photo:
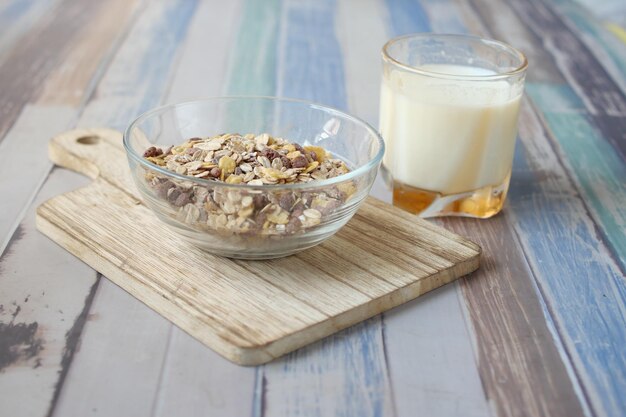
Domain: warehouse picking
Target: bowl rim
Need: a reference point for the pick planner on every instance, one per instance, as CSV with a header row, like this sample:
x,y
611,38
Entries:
x,y
373,162
519,69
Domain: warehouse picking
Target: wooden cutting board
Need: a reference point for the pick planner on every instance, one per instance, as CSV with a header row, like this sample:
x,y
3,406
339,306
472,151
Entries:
x,y
248,311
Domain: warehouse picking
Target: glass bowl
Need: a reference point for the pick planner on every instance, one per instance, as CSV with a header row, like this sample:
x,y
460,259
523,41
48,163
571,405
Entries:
x,y
254,221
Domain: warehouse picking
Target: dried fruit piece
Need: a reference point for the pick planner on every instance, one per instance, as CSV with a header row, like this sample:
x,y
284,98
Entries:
x,y
227,164
319,153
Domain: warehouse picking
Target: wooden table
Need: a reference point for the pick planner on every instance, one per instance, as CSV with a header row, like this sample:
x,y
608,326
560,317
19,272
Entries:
x,y
539,331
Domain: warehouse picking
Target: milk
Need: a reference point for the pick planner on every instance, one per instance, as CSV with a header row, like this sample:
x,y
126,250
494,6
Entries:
x,y
448,135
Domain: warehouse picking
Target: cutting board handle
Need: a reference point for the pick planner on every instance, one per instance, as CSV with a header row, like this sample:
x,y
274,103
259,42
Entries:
x,y
96,152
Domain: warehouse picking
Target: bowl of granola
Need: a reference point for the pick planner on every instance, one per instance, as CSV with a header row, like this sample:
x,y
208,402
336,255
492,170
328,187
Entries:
x,y
252,177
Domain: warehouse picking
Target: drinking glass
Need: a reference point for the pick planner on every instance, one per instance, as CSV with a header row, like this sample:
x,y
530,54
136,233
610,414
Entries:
x,y
448,114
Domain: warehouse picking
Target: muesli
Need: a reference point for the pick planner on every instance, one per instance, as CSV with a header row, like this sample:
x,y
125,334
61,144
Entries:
x,y
250,159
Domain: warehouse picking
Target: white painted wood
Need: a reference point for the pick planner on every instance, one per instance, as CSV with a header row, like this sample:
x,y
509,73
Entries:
x,y
196,381
362,63
32,292
203,67
361,37
430,360
54,110
24,146
116,370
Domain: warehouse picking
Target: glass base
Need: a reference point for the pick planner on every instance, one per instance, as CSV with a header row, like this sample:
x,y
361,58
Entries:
x,y
482,203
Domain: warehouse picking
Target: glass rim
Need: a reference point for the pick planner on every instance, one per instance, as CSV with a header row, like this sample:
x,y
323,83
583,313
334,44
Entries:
x,y
498,76
362,169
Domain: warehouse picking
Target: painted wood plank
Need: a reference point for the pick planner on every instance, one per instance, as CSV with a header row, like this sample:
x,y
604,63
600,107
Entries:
x,y
57,108
25,146
76,75
607,48
431,360
522,371
196,381
341,375
598,172
362,60
504,24
18,17
579,271
316,380
205,59
428,346
362,63
138,75
26,66
444,16
602,96
521,395
407,16
38,327
159,17
253,61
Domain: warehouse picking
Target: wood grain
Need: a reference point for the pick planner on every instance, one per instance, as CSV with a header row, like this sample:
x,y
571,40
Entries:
x,y
222,302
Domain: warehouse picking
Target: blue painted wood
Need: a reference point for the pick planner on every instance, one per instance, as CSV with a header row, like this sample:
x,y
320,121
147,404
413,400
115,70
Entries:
x,y
444,17
148,78
312,62
253,66
597,169
407,16
583,288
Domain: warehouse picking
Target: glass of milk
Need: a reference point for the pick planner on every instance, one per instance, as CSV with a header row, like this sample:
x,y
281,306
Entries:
x,y
448,115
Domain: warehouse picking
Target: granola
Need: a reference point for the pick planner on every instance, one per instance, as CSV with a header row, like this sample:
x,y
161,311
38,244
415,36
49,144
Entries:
x,y
253,160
